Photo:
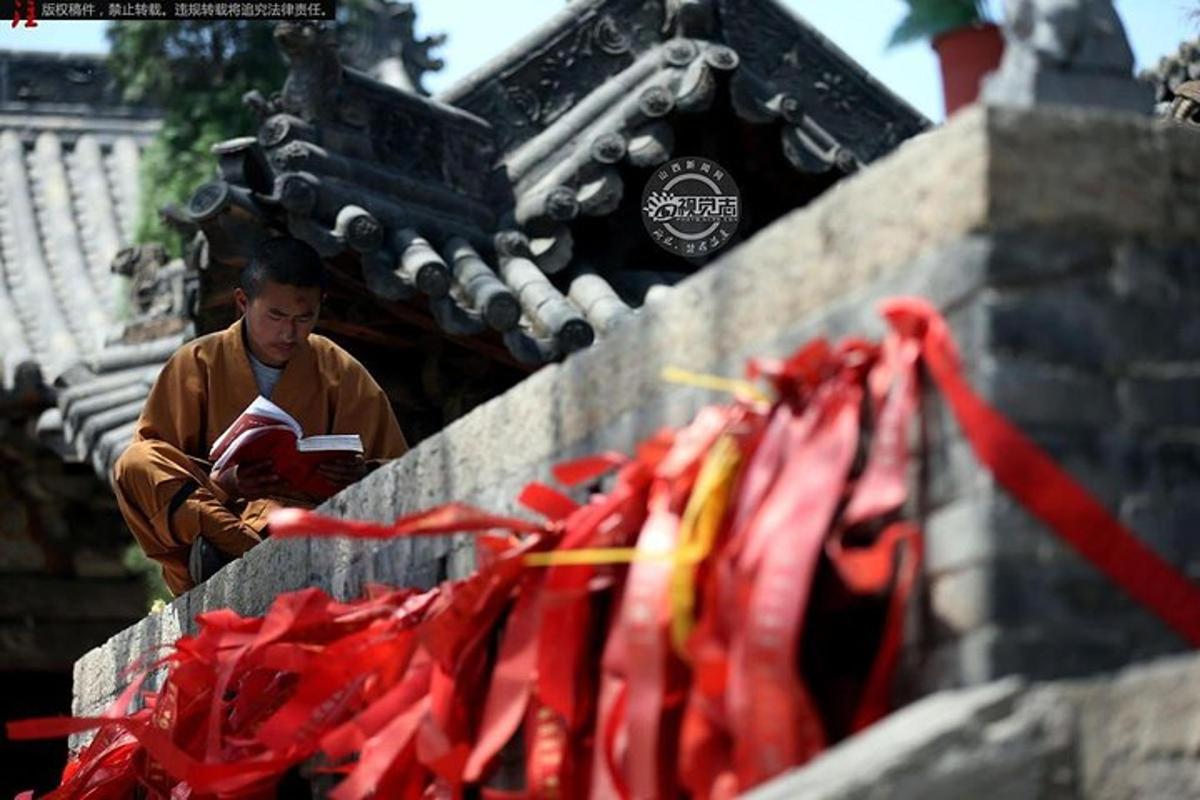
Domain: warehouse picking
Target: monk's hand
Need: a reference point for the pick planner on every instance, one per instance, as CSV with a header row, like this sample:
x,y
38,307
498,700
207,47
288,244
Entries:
x,y
343,471
250,480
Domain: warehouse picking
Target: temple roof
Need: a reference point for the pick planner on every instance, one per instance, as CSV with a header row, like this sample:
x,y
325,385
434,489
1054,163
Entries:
x,y
67,205
69,153
463,208
88,321
69,156
469,206
70,94
100,398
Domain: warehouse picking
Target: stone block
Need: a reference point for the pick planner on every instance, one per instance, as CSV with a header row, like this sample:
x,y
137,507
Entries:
x,y
325,557
1139,732
1168,522
1089,190
1030,392
1162,275
1063,325
250,585
104,672
957,536
1035,257
907,741
1171,460
952,470
1161,402
1069,88
1131,734
960,601
1183,158
1044,651
1069,595
1104,460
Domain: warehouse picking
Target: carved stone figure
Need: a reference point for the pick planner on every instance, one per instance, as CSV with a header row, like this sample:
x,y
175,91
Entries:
x,y
314,72
1071,52
385,46
1185,107
157,287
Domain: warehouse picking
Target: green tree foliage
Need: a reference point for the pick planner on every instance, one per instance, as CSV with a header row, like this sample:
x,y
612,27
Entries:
x,y
136,562
927,19
196,72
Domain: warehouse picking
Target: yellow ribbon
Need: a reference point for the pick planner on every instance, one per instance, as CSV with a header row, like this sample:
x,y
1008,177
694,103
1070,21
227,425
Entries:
x,y
701,519
716,383
698,530
594,555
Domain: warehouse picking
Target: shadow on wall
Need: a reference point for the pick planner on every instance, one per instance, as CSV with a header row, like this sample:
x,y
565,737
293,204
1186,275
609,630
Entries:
x,y
25,694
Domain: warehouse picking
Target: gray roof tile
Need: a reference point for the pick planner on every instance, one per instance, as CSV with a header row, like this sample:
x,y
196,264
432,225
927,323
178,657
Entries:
x,y
472,202
70,156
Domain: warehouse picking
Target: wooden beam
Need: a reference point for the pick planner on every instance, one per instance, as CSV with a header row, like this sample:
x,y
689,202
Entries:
x,y
364,333
351,287
408,314
345,285
223,298
23,407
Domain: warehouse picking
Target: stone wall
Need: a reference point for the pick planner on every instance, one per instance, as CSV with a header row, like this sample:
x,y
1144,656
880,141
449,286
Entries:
x,y
1133,734
1091,346
1060,246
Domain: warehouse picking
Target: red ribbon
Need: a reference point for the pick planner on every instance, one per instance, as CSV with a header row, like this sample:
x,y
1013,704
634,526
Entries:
x,y
289,523
417,694
776,724
1042,487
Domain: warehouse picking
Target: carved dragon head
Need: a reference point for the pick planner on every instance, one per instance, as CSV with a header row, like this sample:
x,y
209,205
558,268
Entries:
x,y
301,38
314,71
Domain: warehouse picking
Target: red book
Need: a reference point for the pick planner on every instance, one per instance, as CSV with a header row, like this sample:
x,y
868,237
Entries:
x,y
265,432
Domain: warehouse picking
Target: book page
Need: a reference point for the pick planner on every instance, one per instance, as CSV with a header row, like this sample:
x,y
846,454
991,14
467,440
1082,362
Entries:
x,y
245,439
348,442
261,412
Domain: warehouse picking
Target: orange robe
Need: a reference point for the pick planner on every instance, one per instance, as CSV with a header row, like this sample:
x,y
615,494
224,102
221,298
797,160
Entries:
x,y
162,479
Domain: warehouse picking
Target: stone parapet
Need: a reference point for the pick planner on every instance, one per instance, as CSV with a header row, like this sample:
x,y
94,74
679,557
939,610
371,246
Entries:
x,y
1061,247
1132,734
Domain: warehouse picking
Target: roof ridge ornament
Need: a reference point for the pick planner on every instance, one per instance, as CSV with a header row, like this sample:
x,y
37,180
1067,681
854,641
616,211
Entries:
x,y
386,47
314,68
689,18
1066,52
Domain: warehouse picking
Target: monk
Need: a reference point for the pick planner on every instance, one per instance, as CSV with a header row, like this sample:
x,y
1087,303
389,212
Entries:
x,y
181,513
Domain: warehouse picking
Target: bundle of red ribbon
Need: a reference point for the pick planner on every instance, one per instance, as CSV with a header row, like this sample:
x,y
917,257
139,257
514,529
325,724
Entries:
x,y
732,605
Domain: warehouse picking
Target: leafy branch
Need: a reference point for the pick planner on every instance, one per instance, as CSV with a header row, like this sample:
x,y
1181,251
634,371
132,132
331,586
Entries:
x,y
927,19
196,72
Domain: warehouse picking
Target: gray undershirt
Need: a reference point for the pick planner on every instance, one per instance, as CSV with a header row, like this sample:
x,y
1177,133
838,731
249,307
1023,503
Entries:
x,y
266,377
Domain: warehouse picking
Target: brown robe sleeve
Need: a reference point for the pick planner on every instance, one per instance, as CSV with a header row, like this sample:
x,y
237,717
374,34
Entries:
x,y
162,488
174,410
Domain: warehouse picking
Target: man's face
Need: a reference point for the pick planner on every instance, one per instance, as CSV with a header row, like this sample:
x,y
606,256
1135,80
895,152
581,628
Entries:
x,y
279,319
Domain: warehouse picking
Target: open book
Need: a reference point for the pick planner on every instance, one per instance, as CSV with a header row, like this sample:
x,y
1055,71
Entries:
x,y
265,432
